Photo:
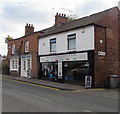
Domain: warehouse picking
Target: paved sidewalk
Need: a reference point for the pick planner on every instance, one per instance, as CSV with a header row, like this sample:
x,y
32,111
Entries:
x,y
62,86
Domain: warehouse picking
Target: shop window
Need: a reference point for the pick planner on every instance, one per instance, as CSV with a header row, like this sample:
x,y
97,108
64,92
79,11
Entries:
x,y
72,42
13,48
26,46
53,45
76,70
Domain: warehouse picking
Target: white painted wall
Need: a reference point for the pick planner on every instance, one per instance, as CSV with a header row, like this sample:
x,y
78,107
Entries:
x,y
84,41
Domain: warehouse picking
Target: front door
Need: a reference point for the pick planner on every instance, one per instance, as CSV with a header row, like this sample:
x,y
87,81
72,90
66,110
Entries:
x,y
26,64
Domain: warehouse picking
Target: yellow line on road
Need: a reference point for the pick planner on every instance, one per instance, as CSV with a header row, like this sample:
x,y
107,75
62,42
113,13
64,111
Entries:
x,y
97,89
33,84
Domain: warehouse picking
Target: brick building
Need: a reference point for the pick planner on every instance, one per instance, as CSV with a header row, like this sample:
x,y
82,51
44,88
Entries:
x,y
70,50
22,53
86,46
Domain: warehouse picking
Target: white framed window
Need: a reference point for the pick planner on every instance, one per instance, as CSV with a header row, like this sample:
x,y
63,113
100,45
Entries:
x,y
71,41
26,46
14,64
53,45
13,48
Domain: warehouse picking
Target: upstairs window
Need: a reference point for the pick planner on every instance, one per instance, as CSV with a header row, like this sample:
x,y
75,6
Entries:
x,y
13,48
26,46
53,45
71,41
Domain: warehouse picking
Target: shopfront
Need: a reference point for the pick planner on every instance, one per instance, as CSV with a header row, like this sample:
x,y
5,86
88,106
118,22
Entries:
x,y
66,68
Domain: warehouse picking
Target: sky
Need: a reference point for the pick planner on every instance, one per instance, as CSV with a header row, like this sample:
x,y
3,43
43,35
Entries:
x,y
41,13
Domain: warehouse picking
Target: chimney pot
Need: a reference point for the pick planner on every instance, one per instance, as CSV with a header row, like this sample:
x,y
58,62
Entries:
x,y
29,25
64,15
26,24
57,13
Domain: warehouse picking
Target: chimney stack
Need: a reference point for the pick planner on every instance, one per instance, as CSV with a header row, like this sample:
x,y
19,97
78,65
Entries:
x,y
29,29
60,18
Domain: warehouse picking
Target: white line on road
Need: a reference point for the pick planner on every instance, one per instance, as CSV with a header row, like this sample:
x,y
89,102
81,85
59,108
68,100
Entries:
x,y
90,112
87,111
31,95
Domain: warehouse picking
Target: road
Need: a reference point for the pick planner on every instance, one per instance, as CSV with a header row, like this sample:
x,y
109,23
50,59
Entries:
x,y
22,97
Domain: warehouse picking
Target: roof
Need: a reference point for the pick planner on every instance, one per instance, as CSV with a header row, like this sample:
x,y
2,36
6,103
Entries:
x,y
88,20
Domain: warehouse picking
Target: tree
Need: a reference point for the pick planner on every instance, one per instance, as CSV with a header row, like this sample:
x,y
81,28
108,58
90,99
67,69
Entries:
x,y
72,17
8,38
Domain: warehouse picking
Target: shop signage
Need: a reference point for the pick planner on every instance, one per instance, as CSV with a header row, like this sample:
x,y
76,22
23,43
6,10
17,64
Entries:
x,y
26,56
14,57
60,70
101,53
65,57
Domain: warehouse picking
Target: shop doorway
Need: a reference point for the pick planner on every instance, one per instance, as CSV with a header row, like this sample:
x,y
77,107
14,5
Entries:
x,y
25,65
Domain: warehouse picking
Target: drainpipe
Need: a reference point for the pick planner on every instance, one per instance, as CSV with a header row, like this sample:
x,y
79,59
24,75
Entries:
x,y
20,58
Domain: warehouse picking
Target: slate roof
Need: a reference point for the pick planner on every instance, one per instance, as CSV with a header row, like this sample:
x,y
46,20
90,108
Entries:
x,y
88,20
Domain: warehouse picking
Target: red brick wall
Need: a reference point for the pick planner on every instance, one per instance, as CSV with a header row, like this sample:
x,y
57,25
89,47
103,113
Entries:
x,y
119,43
29,29
60,18
33,49
106,65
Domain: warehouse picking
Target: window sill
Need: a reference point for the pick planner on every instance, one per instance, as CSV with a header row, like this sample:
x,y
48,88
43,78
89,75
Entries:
x,y
26,51
52,52
72,50
14,70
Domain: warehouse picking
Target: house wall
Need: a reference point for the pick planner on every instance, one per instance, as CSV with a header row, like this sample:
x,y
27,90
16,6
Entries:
x,y
119,40
106,65
84,41
33,50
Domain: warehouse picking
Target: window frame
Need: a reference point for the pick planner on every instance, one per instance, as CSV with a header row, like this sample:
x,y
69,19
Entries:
x,y
51,43
27,46
14,63
13,49
71,37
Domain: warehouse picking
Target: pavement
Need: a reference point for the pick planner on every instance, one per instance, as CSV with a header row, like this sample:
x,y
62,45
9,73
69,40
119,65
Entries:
x,y
61,86
51,84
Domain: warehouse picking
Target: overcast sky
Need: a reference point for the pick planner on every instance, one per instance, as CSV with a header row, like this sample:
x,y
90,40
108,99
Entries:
x,y
16,13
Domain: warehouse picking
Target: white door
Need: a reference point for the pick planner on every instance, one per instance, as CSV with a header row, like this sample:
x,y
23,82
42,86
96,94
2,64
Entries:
x,y
26,64
24,68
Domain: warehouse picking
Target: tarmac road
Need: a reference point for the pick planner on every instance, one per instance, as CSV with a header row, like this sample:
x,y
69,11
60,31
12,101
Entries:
x,y
22,97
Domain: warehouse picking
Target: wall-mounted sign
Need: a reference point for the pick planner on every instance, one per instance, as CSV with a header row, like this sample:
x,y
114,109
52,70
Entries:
x,y
101,53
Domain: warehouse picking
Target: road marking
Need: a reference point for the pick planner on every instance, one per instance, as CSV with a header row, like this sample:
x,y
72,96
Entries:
x,y
31,95
98,89
33,84
88,90
87,111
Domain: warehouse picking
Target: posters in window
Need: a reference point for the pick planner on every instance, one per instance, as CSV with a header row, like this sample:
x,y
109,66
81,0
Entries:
x,y
60,70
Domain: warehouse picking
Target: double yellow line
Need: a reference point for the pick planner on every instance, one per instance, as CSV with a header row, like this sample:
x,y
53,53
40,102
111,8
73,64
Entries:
x,y
57,89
